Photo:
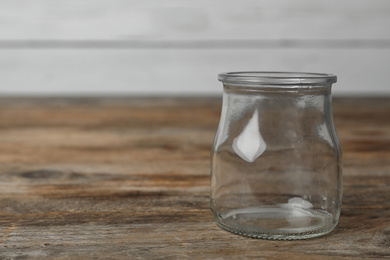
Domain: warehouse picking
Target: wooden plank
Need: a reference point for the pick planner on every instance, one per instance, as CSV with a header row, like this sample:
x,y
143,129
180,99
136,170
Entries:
x,y
179,72
173,47
53,47
193,20
92,178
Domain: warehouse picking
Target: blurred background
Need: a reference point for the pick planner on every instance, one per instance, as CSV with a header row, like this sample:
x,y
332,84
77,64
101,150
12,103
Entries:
x,y
177,47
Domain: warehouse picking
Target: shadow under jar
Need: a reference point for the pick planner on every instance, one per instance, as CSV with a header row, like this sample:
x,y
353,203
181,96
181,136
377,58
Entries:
x,y
276,170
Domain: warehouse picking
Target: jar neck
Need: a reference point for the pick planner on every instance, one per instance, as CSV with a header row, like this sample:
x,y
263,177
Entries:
x,y
303,89
295,104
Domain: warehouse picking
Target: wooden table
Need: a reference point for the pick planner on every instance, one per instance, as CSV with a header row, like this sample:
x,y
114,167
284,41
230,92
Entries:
x,y
113,178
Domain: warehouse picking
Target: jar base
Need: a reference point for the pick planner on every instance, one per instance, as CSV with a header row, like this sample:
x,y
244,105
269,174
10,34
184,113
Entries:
x,y
276,222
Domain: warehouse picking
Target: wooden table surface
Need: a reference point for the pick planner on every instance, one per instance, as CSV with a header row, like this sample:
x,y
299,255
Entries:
x,y
121,178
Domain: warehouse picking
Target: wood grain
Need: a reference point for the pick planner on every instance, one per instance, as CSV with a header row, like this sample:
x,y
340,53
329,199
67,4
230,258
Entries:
x,y
120,178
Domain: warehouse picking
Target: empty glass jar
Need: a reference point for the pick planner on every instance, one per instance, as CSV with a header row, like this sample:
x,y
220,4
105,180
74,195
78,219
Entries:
x,y
276,170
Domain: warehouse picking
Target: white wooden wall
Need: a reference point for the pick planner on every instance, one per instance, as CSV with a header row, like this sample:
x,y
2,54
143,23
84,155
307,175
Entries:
x,y
154,47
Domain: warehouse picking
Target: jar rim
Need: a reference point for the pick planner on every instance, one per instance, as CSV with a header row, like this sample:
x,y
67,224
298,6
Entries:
x,y
251,78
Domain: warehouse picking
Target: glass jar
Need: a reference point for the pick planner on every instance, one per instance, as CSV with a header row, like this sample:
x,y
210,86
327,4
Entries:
x,y
276,170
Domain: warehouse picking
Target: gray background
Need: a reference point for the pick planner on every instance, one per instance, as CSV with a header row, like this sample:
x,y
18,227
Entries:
x,y
177,47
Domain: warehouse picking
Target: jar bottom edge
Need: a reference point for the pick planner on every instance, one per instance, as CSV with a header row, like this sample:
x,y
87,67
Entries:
x,y
276,223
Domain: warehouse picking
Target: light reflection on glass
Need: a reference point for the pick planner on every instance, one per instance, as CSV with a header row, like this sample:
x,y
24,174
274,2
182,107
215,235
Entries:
x,y
249,145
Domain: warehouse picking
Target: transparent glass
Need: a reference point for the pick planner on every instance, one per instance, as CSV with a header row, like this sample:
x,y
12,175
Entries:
x,y
276,170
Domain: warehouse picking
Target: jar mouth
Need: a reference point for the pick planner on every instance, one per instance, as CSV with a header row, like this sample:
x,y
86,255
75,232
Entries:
x,y
255,78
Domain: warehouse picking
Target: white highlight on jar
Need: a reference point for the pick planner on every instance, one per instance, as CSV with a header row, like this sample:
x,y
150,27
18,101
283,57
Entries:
x,y
249,145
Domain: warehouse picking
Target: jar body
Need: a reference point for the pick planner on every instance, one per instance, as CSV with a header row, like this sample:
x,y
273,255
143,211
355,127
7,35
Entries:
x,y
276,169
